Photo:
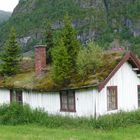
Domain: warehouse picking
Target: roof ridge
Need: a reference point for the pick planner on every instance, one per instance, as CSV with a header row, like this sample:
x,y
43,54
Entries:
x,y
129,55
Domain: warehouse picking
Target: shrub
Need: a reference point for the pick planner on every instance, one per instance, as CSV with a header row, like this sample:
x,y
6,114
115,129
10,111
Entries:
x,y
15,114
89,59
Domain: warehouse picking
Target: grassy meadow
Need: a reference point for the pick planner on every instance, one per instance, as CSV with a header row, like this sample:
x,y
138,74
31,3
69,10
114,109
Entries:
x,y
20,122
34,132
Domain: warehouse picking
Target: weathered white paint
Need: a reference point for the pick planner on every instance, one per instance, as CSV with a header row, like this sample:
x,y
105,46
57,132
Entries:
x,y
50,102
86,102
4,96
126,81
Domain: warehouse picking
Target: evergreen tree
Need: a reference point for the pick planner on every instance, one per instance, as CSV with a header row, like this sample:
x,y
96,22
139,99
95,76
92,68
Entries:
x,y
61,64
65,53
71,42
48,41
11,55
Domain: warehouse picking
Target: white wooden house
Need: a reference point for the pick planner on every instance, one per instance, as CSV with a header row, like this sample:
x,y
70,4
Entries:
x,y
119,91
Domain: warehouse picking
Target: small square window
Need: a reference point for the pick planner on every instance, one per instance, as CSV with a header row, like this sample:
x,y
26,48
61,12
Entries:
x,y
67,99
16,96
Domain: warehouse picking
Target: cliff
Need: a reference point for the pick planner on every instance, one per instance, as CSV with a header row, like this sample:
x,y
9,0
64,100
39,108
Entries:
x,y
4,16
109,22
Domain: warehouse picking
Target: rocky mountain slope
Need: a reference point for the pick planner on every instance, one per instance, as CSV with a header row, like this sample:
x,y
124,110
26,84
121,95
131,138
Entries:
x,y
4,16
109,22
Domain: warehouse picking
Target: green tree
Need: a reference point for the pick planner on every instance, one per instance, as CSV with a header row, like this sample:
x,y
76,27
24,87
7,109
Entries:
x,y
65,53
11,55
89,59
48,39
71,42
61,64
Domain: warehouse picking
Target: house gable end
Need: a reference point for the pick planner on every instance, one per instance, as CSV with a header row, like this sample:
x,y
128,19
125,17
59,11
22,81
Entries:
x,y
129,57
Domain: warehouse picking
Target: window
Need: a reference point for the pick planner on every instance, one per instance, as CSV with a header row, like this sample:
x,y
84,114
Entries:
x,y
67,99
112,98
19,96
138,95
11,96
16,96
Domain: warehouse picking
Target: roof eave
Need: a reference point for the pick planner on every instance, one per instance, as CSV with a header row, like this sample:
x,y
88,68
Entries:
x,y
128,56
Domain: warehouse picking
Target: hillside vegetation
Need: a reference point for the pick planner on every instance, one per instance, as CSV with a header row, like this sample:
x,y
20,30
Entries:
x,y
4,16
108,22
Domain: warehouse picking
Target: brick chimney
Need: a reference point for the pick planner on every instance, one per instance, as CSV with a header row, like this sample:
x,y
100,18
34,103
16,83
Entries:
x,y
40,59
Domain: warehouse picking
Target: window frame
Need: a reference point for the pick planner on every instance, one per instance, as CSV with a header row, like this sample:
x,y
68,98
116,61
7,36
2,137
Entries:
x,y
67,92
11,95
19,96
109,88
138,87
15,95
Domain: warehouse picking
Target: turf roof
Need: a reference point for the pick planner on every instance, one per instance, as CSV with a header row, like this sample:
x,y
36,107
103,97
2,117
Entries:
x,y
28,81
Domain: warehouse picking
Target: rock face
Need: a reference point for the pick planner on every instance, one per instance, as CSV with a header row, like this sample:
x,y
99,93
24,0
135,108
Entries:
x,y
99,20
4,16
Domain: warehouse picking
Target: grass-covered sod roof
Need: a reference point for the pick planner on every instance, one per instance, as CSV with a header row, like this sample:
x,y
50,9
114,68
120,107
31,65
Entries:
x,y
27,80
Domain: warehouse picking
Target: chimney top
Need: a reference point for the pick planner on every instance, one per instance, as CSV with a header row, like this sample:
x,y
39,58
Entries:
x,y
40,46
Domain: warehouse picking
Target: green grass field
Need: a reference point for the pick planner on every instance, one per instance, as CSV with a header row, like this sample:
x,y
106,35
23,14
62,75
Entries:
x,y
31,132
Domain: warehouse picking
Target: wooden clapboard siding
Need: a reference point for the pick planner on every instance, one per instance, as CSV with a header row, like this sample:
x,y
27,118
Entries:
x,y
126,81
4,96
85,102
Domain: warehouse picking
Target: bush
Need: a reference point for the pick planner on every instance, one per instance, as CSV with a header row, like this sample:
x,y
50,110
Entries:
x,y
15,114
89,59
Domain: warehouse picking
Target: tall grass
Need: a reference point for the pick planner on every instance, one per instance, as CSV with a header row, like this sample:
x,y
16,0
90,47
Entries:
x,y
15,114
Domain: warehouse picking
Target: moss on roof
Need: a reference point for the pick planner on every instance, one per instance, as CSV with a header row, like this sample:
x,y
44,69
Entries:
x,y
110,61
27,80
